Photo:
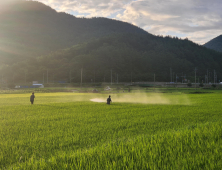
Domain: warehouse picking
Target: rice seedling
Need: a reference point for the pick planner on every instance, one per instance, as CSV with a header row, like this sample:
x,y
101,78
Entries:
x,y
68,131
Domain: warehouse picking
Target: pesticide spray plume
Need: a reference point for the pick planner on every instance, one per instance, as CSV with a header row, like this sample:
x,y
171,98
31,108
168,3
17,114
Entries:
x,y
98,100
146,98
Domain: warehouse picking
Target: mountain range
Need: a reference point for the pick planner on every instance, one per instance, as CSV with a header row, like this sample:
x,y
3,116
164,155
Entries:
x,y
30,28
35,40
215,44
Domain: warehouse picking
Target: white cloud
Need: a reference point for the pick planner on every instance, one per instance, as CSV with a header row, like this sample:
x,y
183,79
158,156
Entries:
x,y
199,20
90,8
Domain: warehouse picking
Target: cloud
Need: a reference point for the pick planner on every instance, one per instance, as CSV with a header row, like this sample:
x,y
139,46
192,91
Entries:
x,y
90,8
7,1
199,20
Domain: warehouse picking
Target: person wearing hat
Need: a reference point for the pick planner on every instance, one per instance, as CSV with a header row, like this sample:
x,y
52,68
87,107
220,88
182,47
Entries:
x,y
109,100
32,98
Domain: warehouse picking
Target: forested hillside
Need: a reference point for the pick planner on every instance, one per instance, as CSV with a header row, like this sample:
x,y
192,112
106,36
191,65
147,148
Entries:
x,y
215,44
129,56
37,42
30,28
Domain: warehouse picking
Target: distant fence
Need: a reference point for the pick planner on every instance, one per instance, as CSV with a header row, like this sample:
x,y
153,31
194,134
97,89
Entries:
x,y
169,84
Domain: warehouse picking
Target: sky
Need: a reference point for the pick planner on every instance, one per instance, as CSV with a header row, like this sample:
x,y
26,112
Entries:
x,y
198,20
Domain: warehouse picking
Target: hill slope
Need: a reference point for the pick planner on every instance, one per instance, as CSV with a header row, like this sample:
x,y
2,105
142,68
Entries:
x,y
215,44
29,28
131,56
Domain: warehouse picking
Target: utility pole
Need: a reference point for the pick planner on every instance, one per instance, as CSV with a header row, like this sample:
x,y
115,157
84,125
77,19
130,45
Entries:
x,y
170,74
207,75
94,76
131,78
111,77
154,77
214,76
176,78
70,77
182,77
47,77
81,77
117,79
195,78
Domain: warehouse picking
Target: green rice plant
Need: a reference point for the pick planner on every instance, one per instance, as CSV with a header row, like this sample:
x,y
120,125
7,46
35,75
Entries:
x,y
68,131
199,148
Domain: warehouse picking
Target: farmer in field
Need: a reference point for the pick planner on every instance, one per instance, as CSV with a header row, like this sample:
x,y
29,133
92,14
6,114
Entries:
x,y
32,98
109,100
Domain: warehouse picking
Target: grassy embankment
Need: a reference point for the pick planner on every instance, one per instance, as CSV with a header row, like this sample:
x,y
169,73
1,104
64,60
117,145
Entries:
x,y
148,131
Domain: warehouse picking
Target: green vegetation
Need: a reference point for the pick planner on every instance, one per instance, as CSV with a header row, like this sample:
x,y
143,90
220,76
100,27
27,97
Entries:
x,y
215,44
131,56
30,29
146,128
37,39
214,85
68,131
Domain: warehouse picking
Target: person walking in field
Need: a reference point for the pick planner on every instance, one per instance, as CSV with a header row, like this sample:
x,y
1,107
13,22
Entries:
x,y
32,98
109,100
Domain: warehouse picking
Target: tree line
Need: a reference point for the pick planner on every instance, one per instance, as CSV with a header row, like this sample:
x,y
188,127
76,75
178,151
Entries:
x,y
130,57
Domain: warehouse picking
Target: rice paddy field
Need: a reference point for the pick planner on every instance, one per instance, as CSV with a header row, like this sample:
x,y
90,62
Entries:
x,y
139,130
